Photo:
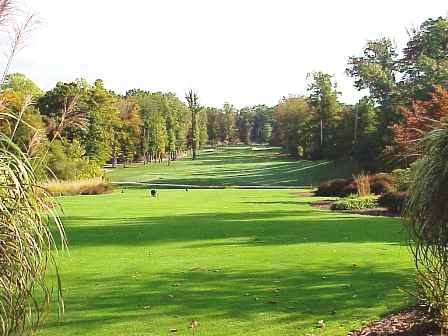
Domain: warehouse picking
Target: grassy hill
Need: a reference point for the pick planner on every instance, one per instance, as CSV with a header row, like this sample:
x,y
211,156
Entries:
x,y
235,166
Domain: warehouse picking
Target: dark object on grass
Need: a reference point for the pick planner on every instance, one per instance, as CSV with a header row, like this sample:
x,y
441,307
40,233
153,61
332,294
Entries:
x,y
393,201
186,189
153,193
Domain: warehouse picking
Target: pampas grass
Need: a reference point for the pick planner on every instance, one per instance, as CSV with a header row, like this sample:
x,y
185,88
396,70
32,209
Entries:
x,y
94,186
26,242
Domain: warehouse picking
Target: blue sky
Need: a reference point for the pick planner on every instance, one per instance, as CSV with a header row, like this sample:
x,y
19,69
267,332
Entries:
x,y
240,51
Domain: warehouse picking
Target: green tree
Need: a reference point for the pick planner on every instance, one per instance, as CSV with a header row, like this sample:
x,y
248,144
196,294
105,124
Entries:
x,y
326,108
195,108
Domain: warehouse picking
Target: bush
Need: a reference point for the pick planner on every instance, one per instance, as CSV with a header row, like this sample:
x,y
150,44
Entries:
x,y
355,203
382,183
337,187
94,186
393,201
66,161
403,179
379,184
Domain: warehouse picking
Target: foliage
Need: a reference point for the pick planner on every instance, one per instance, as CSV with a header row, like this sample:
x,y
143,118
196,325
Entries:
x,y
67,161
382,183
421,118
289,123
403,178
379,184
337,187
94,186
195,108
26,242
427,218
393,201
402,86
355,203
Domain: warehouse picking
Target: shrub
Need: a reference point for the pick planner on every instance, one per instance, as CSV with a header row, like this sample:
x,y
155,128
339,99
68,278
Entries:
x,y
379,184
393,201
337,187
382,183
355,203
95,186
403,178
66,161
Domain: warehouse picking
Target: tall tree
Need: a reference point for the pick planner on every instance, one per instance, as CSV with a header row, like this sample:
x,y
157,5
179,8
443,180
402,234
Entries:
x,y
324,99
194,107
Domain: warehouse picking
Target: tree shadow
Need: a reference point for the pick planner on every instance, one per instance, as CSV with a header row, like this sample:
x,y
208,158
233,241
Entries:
x,y
281,227
338,295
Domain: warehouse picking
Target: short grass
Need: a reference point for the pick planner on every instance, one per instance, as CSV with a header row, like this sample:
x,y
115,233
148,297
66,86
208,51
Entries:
x,y
236,166
240,262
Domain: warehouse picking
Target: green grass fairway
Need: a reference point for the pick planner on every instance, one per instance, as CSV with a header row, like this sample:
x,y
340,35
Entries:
x,y
235,166
241,262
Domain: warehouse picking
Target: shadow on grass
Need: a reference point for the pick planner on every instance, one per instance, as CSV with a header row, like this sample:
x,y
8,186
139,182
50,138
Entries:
x,y
340,294
238,167
281,227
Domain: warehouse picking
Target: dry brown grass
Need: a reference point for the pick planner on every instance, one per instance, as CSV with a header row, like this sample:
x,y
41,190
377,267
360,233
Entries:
x,y
363,184
94,186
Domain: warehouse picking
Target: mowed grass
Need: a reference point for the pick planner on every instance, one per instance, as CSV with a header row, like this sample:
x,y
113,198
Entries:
x,y
235,166
240,262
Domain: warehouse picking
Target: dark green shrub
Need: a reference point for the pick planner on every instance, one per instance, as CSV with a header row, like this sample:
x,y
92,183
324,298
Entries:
x,y
355,203
393,201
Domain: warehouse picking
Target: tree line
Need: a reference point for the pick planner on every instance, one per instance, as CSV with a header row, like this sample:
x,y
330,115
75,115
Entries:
x,y
77,127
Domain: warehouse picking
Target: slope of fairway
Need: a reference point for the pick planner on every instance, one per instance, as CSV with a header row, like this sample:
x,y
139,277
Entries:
x,y
235,166
240,262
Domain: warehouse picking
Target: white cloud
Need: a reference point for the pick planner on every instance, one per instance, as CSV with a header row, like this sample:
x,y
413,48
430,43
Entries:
x,y
242,51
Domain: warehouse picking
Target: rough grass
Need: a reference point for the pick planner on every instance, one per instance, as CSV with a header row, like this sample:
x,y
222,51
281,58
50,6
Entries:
x,y
236,166
240,262
94,186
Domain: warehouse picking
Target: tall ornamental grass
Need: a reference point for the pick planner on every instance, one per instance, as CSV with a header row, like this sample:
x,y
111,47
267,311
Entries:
x,y
26,243
427,219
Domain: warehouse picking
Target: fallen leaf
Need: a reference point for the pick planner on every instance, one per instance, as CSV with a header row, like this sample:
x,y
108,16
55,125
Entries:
x,y
320,324
194,324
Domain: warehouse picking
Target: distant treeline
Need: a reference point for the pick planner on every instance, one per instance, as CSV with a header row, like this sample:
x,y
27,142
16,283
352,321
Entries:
x,y
77,127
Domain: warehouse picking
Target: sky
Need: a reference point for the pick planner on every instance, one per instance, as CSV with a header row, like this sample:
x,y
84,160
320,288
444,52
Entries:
x,y
245,52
